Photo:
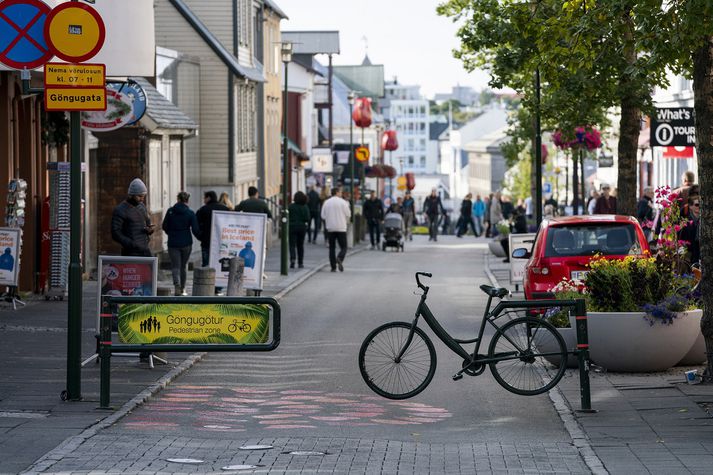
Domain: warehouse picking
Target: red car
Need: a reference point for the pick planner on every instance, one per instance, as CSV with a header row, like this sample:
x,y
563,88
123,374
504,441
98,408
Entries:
x,y
564,246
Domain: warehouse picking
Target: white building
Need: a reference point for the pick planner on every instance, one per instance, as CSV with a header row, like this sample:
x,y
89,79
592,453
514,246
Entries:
x,y
407,112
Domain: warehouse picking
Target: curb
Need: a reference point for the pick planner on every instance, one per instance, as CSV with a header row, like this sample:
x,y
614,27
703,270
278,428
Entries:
x,y
573,428
65,448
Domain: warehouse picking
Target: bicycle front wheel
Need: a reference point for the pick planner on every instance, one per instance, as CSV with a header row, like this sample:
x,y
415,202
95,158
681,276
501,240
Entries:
x,y
523,344
389,378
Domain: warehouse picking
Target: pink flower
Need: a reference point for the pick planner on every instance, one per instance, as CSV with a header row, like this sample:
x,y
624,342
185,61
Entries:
x,y
677,227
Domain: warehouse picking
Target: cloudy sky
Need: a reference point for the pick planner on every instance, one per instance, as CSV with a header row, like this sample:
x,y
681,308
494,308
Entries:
x,y
406,36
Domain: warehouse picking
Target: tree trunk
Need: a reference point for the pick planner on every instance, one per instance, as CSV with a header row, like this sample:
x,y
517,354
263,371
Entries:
x,y
703,102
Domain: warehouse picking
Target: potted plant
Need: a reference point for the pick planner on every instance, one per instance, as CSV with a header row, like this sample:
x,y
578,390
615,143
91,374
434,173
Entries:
x,y
496,244
563,321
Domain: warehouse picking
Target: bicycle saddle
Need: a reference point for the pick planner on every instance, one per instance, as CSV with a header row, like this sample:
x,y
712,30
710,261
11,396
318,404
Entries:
x,y
494,292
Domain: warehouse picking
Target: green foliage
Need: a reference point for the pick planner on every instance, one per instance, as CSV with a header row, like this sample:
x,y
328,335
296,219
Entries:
x,y
460,115
519,178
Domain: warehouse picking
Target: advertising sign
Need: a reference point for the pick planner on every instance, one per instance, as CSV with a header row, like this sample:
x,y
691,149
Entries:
x,y
136,96
517,266
674,127
118,113
678,152
22,34
322,160
202,323
9,256
238,235
125,276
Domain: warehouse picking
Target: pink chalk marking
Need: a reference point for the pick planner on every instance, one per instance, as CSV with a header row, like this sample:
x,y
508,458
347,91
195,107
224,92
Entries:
x,y
300,391
286,426
242,400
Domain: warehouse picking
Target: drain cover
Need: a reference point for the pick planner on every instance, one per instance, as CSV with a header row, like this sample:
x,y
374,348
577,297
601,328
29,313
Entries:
x,y
256,447
240,467
190,461
305,452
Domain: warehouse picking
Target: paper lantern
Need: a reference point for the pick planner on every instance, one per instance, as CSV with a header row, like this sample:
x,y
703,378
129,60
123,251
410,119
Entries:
x,y
389,141
362,112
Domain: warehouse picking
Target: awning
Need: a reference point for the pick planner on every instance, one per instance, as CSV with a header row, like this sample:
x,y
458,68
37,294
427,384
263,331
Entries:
x,y
294,148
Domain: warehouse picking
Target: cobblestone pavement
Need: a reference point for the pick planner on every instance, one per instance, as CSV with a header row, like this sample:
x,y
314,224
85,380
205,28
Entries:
x,y
115,453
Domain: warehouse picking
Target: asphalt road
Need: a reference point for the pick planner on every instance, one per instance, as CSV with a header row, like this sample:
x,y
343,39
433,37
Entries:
x,y
311,387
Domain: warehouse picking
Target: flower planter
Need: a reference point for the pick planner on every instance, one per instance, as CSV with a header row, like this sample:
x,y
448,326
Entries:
x,y
496,247
627,342
697,353
570,339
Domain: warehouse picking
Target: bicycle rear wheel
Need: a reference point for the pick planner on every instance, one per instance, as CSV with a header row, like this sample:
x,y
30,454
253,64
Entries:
x,y
524,342
389,378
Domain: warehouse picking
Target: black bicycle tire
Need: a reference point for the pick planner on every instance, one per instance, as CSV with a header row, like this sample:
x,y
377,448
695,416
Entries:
x,y
369,380
560,371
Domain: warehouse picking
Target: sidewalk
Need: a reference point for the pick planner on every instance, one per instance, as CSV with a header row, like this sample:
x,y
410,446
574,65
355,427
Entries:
x,y
646,423
33,419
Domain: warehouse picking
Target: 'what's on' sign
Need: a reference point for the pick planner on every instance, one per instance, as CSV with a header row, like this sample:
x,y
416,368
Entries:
x,y
673,127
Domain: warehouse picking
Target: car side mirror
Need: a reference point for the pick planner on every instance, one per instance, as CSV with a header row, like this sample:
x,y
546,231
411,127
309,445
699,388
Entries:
x,y
521,253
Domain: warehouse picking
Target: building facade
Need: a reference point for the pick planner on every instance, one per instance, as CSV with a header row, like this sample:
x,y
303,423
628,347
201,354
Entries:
x,y
407,112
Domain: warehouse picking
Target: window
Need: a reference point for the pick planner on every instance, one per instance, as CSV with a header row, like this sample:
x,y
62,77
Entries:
x,y
410,160
246,134
587,240
245,21
422,143
423,161
409,144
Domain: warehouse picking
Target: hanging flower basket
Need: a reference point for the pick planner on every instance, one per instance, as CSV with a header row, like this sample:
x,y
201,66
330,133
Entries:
x,y
587,138
375,171
389,141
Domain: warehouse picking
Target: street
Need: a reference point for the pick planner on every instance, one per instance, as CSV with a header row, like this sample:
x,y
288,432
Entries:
x,y
309,395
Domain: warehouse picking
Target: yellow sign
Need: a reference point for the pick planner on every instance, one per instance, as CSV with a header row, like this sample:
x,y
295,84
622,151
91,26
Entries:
x,y
59,98
362,154
401,181
175,323
79,75
75,31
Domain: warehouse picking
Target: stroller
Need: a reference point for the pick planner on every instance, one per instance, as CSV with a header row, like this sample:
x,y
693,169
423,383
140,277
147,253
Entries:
x,y
393,231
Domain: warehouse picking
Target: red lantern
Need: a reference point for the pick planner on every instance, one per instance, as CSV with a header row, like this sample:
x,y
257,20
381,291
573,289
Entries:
x,y
410,180
362,112
389,141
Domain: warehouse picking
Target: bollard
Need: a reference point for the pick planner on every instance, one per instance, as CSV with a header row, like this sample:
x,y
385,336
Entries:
x,y
105,355
580,310
235,276
203,281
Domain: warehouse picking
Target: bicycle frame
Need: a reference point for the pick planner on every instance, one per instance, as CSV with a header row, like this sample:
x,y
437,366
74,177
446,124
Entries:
x,y
489,317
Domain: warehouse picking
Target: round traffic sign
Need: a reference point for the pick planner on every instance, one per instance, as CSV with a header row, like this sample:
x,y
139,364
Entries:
x,y
75,32
362,154
22,39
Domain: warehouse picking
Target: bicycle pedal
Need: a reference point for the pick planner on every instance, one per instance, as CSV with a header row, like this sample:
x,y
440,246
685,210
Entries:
x,y
457,377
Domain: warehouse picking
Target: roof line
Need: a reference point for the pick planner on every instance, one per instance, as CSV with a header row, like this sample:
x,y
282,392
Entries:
x,y
273,6
310,31
221,51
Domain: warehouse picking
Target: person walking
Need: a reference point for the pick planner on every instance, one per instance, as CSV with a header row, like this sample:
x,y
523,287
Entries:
x,y
336,214
606,204
225,201
408,208
486,217
374,215
691,233
478,213
178,224
496,213
592,203
205,217
299,226
466,216
130,222
645,211
433,208
253,204
314,203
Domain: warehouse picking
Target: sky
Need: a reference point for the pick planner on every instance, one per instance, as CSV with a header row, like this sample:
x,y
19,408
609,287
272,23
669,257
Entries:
x,y
406,36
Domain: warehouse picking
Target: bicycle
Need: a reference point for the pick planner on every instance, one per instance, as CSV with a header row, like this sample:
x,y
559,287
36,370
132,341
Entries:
x,y
243,327
397,360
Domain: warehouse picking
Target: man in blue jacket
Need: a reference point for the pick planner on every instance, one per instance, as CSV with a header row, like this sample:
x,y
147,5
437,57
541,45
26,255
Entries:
x,y
178,224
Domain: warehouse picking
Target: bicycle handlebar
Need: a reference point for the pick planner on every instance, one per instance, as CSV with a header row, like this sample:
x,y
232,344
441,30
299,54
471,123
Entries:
x,y
418,281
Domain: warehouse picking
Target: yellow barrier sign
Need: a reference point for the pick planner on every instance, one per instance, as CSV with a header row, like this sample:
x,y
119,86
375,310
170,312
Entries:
x,y
62,98
175,323
76,75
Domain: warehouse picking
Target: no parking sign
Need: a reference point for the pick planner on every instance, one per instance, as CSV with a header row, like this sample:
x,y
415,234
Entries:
x,y
22,34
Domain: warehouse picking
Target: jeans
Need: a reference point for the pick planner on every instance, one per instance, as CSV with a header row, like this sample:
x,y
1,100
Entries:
x,y
297,244
334,238
179,260
374,231
433,227
408,222
205,256
478,220
313,228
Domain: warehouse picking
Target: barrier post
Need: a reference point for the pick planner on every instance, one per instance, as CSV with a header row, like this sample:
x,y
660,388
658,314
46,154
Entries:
x,y
105,358
580,310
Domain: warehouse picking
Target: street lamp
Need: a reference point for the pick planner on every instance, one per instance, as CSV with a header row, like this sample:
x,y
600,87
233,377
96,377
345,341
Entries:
x,y
286,51
352,98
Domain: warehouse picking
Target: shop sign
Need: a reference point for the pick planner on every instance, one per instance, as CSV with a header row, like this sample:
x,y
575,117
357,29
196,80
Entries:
x,y
200,323
136,96
238,235
118,113
673,127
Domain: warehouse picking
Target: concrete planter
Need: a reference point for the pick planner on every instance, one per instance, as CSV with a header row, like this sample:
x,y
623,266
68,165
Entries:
x,y
627,342
697,353
570,339
496,247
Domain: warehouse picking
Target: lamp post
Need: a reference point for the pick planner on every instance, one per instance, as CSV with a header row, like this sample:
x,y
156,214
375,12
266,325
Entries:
x,y
351,97
286,51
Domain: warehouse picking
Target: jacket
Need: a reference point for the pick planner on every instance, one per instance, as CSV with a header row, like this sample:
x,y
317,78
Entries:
x,y
644,210
299,216
314,201
336,214
178,224
204,216
407,206
254,205
605,206
466,209
479,208
373,209
433,206
129,223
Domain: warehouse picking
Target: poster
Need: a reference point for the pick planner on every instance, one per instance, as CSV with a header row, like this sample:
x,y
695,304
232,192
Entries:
x,y
9,256
127,276
238,235
202,323
517,266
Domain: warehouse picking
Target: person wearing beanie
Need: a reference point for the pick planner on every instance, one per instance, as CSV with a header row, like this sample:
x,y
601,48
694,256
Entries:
x,y
130,222
205,216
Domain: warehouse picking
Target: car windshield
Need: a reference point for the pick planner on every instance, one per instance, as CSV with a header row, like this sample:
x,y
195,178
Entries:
x,y
588,239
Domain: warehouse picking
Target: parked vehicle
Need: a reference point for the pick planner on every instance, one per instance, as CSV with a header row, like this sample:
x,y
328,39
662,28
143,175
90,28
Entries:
x,y
565,245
